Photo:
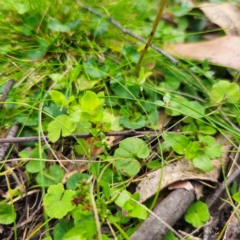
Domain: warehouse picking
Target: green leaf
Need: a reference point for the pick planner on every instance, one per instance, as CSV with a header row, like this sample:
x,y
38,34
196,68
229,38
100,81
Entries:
x,y
92,69
84,231
62,124
212,149
159,103
170,236
51,176
61,228
131,53
122,198
134,123
57,97
178,142
225,90
129,166
136,211
35,166
154,164
47,238
21,8
236,197
37,53
143,76
57,26
90,102
74,181
170,82
202,161
82,147
181,106
132,148
134,208
58,202
208,130
7,214
54,110
197,214
192,149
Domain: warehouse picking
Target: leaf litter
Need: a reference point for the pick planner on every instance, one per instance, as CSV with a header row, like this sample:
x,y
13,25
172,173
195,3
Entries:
x,y
224,51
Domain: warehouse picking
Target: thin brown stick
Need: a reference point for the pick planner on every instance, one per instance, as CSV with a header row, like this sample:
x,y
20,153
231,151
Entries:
x,y
130,33
6,144
6,91
155,24
80,135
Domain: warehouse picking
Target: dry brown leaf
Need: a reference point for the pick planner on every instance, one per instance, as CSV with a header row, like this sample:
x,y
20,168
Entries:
x,y
181,184
225,15
223,51
179,171
233,228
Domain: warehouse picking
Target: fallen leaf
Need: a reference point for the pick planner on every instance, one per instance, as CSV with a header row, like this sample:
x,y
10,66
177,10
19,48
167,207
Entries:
x,y
233,228
223,51
225,15
181,184
181,170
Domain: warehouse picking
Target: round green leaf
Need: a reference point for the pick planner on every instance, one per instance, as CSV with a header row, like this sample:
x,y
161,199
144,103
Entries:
x,y
58,202
75,179
202,161
49,177
62,124
197,214
7,214
132,147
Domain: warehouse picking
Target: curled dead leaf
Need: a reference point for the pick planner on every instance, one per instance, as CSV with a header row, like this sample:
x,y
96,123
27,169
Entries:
x,y
224,51
225,15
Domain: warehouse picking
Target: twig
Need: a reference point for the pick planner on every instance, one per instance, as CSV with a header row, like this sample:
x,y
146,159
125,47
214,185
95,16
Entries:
x,y
80,135
3,148
6,91
222,188
169,210
127,31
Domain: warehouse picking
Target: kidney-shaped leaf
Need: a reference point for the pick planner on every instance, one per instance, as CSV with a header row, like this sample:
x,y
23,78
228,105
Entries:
x,y
7,214
58,202
132,148
62,124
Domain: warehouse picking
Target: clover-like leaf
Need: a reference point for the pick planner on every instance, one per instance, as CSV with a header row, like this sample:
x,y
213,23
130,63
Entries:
x,y
178,142
135,123
170,236
36,165
132,148
90,102
92,69
202,161
225,90
197,214
58,202
74,181
236,197
57,97
7,214
51,176
62,124
128,166
212,149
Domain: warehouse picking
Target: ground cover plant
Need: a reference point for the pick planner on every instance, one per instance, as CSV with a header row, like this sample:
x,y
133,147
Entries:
x,y
84,122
